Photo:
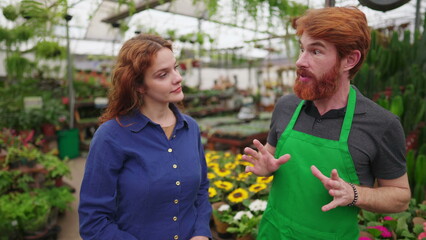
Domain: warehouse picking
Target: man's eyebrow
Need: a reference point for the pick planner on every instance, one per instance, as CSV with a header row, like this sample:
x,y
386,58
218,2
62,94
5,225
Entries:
x,y
313,44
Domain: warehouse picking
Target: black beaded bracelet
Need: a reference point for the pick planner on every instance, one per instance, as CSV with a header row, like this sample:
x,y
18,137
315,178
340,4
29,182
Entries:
x,y
355,195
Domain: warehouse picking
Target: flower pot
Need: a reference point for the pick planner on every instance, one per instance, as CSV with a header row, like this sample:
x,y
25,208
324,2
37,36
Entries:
x,y
246,237
219,225
48,130
68,143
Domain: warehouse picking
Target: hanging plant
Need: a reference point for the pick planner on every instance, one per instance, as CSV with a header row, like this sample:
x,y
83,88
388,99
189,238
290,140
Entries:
x,y
4,34
22,33
48,50
10,12
17,66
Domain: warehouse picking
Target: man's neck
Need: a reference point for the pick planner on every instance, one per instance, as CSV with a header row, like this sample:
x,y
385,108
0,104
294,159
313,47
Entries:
x,y
337,101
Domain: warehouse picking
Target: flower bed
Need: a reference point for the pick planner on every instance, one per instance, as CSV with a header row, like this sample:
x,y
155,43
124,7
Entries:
x,y
239,198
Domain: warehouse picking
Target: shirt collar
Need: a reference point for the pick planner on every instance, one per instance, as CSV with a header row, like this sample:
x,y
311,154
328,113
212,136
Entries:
x,y
360,108
135,121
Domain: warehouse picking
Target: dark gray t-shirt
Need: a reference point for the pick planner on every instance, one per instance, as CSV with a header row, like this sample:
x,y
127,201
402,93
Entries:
x,y
376,141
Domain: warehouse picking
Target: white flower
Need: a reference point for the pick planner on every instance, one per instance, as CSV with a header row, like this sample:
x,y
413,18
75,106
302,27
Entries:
x,y
240,214
224,207
258,205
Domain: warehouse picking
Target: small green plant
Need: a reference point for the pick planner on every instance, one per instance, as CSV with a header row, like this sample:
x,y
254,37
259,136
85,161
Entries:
x,y
398,226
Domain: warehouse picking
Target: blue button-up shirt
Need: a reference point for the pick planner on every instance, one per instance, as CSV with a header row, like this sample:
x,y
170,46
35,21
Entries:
x,y
138,184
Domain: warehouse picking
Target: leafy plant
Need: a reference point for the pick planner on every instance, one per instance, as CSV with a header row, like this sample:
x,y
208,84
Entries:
x,y
399,225
244,223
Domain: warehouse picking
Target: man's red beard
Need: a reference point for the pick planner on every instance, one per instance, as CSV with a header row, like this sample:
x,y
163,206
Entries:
x,y
315,89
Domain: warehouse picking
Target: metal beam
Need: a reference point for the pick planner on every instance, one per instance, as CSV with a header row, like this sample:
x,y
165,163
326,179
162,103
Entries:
x,y
143,6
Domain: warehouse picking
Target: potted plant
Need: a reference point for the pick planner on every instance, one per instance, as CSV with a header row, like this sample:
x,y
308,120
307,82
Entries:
x,y
244,225
222,214
404,225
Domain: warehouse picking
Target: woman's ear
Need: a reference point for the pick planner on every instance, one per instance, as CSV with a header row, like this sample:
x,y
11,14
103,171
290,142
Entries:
x,y
352,60
141,89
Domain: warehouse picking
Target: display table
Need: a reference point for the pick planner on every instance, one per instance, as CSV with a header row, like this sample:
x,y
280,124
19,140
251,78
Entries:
x,y
236,145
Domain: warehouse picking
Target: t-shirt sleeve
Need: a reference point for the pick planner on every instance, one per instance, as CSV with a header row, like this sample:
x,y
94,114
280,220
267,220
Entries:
x,y
391,162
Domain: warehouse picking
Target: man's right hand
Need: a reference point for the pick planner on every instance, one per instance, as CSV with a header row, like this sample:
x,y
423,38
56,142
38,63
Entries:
x,y
264,163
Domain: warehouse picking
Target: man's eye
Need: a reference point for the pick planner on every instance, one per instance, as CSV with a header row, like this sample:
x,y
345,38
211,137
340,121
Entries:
x,y
316,52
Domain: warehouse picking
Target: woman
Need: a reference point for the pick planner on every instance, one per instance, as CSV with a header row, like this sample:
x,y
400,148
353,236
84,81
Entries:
x,y
145,175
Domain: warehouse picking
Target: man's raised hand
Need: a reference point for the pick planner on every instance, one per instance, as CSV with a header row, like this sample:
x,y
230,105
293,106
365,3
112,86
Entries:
x,y
264,163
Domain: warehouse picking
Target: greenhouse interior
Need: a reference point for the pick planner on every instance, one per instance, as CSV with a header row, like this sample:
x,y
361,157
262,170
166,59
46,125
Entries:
x,y
237,59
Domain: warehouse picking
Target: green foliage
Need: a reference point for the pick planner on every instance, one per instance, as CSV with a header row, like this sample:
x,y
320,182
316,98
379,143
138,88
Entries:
x,y
10,12
244,226
401,224
30,211
17,66
49,50
15,116
29,197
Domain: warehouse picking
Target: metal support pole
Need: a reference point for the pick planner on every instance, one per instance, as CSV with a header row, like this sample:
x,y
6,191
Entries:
x,y
70,75
418,18
200,47
330,3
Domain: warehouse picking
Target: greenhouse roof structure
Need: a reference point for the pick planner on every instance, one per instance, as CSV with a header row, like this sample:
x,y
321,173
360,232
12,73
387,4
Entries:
x,y
93,32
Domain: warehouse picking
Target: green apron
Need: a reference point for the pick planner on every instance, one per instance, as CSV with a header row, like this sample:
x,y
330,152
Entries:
x,y
296,196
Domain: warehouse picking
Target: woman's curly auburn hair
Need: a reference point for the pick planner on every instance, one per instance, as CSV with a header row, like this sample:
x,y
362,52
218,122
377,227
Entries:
x,y
345,27
134,58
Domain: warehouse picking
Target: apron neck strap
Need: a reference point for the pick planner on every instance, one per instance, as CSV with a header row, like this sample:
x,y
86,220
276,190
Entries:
x,y
349,115
347,122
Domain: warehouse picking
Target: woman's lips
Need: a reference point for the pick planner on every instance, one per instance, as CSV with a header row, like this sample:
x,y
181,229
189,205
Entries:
x,y
178,90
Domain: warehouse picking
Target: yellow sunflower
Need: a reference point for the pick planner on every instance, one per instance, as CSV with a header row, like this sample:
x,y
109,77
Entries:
x,y
238,157
245,163
213,165
211,175
212,192
230,166
257,187
264,179
238,195
224,185
243,176
222,172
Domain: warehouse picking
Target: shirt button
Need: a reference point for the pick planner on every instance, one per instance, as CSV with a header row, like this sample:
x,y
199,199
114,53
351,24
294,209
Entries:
x,y
174,136
178,183
175,218
170,150
174,166
176,201
319,120
176,237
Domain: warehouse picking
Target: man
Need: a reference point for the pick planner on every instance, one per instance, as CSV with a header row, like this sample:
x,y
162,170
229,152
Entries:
x,y
329,128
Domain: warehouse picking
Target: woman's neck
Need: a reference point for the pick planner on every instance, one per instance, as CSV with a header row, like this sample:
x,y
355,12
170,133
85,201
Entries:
x,y
161,115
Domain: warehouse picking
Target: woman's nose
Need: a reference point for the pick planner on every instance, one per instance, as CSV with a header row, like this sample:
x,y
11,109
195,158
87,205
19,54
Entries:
x,y
177,78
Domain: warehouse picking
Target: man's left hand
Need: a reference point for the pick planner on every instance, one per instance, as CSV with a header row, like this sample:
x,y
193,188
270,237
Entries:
x,y
340,190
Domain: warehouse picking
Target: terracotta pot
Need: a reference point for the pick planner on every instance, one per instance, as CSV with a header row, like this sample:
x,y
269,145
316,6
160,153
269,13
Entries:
x,y
246,237
220,226
48,130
